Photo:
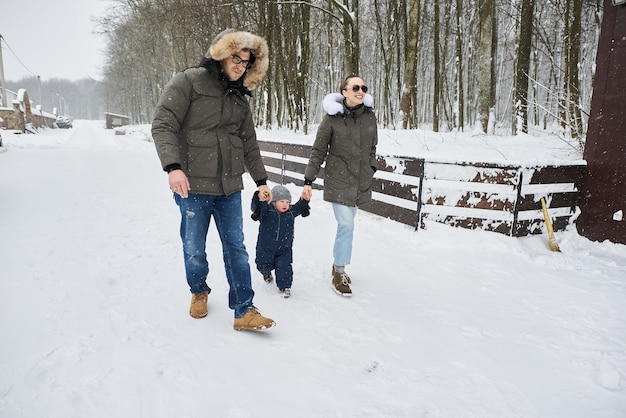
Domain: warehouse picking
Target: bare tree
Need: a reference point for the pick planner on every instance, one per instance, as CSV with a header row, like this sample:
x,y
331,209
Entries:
x,y
460,99
486,64
520,114
436,68
350,18
409,96
465,51
573,81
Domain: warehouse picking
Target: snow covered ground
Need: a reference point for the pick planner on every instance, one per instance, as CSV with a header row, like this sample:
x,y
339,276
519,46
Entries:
x,y
444,322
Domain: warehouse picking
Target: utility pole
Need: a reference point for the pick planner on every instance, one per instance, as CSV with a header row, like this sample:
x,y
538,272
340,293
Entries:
x,y
4,89
40,98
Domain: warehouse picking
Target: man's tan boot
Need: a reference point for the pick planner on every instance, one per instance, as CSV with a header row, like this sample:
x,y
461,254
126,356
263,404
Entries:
x,y
253,320
198,304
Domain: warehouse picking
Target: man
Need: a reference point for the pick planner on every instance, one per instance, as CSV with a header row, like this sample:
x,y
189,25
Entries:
x,y
205,139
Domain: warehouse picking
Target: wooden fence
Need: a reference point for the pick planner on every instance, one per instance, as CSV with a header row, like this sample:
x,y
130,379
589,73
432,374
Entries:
x,y
493,197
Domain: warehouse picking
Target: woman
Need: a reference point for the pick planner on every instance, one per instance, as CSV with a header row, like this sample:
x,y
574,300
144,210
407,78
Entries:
x,y
346,140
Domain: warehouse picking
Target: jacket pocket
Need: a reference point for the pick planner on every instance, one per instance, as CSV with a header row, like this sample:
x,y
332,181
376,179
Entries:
x,y
237,160
203,155
336,173
365,177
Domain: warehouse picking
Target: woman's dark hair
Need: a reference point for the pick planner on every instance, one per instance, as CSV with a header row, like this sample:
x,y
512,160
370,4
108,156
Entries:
x,y
344,83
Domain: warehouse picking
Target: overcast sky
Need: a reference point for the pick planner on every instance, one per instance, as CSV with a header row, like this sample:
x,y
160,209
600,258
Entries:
x,y
51,39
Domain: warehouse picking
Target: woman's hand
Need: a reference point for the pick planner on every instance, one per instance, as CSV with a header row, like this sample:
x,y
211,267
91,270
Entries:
x,y
307,192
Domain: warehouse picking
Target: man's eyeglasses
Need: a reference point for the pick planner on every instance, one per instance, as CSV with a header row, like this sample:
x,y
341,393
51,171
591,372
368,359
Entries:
x,y
356,88
238,60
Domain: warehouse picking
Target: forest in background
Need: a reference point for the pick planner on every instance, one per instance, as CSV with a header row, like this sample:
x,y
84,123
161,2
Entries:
x,y
452,65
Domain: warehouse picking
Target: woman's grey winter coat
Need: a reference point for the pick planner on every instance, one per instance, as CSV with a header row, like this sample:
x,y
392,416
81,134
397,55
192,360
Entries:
x,y
346,139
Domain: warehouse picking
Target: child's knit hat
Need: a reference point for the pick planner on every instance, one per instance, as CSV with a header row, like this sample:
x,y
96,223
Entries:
x,y
280,193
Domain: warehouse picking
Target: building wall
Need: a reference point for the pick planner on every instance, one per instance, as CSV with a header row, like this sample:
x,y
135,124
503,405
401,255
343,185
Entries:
x,y
21,114
115,121
603,194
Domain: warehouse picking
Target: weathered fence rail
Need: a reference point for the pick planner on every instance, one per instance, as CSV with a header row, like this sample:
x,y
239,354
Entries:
x,y
493,197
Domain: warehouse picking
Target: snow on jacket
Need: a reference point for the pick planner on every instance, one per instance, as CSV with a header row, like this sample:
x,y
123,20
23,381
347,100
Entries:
x,y
276,230
346,140
203,122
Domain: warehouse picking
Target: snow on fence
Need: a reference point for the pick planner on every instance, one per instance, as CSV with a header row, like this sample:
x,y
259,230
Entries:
x,y
492,197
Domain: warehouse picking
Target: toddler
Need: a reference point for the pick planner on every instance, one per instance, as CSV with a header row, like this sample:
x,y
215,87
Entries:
x,y
275,240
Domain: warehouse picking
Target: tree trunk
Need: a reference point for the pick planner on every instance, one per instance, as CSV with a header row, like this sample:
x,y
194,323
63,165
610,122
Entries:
x,y
566,65
436,75
350,26
523,67
486,64
303,67
409,96
460,100
575,116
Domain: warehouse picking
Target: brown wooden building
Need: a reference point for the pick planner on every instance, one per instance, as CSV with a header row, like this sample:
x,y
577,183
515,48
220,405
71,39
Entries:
x,y
603,193
115,121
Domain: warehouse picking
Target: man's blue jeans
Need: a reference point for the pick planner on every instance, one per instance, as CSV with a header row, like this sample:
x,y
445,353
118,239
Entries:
x,y
196,211
342,250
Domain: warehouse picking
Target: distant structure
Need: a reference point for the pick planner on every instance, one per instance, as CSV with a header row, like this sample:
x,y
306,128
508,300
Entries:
x,y
603,192
115,121
20,115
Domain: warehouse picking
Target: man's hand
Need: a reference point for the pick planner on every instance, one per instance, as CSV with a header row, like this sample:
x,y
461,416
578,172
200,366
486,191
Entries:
x,y
179,183
265,193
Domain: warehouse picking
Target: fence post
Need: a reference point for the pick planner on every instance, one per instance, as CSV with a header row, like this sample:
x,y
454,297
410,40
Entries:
x,y
518,199
283,156
418,217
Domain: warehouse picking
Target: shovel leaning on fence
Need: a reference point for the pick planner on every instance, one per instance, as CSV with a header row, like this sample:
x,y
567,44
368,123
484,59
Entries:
x,y
551,240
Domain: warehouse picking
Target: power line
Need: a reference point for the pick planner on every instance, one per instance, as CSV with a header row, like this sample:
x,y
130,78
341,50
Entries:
x,y
2,38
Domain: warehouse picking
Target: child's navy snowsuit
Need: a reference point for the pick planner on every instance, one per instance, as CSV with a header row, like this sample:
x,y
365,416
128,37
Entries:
x,y
274,244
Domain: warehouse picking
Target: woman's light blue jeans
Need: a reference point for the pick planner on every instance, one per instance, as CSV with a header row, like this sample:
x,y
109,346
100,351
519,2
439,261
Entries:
x,y
342,250
196,211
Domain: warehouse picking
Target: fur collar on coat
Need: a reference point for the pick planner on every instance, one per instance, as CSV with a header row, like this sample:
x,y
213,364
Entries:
x,y
333,103
231,41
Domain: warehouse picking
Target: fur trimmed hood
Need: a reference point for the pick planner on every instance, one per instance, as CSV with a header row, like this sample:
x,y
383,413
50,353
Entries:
x,y
231,41
333,103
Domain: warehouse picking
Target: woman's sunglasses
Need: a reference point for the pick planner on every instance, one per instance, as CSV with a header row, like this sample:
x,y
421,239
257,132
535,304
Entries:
x,y
356,88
